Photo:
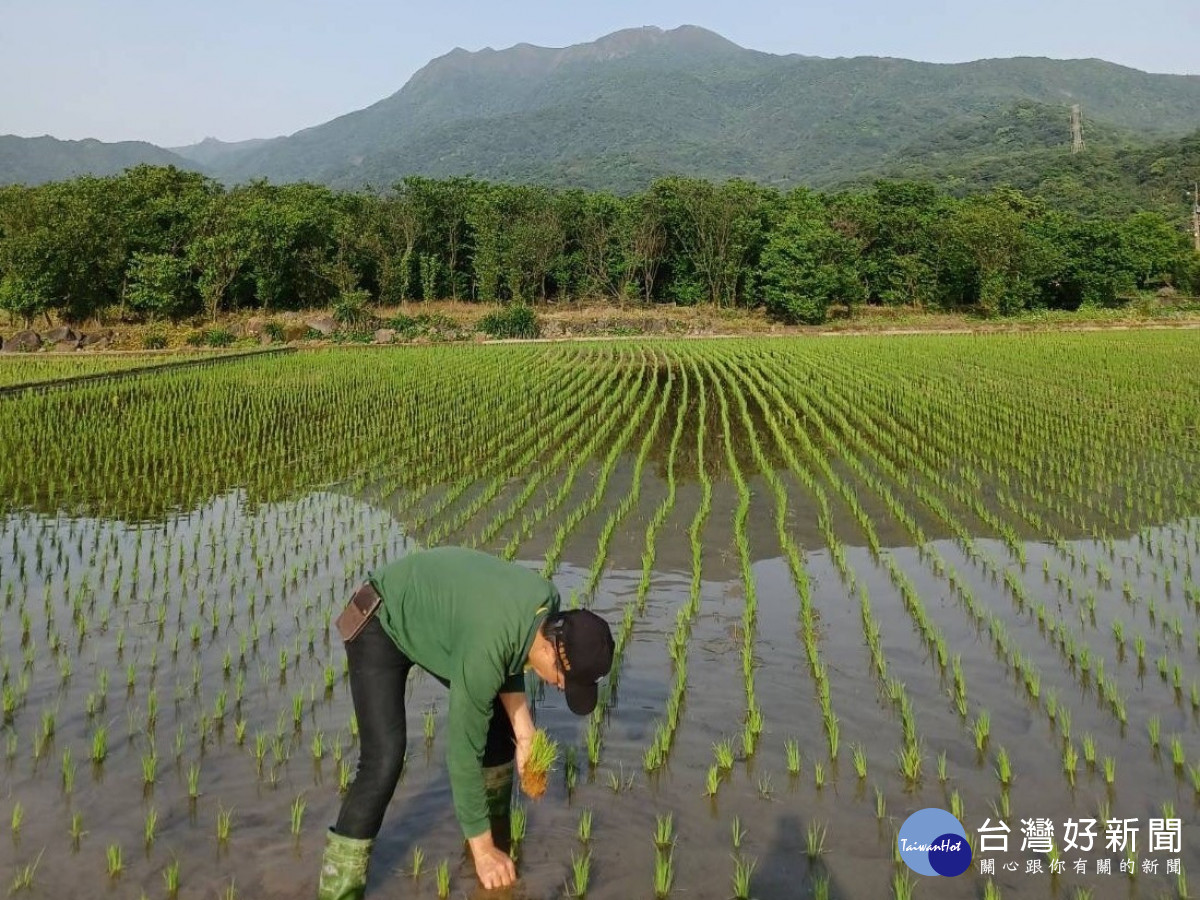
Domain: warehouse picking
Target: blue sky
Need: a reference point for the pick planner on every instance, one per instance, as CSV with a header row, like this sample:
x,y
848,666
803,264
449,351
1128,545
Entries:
x,y
173,72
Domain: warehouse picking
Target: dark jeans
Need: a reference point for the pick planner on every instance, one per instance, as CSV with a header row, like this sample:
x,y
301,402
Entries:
x,y
378,673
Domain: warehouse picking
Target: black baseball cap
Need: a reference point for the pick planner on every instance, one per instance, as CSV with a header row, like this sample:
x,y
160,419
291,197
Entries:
x,y
584,644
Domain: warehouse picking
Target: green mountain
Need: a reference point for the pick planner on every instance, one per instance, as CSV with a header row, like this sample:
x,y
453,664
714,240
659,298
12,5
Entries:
x,y
641,103
1119,172
645,102
42,159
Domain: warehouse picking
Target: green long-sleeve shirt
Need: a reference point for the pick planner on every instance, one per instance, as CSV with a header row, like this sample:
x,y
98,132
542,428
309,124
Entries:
x,y
469,619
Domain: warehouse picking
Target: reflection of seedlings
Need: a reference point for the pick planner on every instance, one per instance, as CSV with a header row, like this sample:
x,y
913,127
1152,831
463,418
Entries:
x,y
820,887
664,873
990,891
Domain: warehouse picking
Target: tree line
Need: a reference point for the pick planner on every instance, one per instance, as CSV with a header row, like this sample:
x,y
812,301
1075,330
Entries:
x,y
158,242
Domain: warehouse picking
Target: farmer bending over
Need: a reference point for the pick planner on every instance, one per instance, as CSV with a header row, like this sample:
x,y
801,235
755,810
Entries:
x,y
475,623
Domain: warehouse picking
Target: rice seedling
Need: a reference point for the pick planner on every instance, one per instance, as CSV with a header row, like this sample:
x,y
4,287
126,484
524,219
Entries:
x,y
543,753
23,880
112,855
663,831
743,871
581,874
723,750
518,821
443,879
1003,767
418,862
903,885
224,824
819,774
814,840
712,781
298,807
738,832
792,750
860,761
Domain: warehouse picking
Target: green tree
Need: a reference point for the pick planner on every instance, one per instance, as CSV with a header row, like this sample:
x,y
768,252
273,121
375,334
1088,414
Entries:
x,y
807,264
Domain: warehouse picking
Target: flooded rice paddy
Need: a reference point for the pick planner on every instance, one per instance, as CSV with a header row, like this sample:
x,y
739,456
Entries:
x,y
850,579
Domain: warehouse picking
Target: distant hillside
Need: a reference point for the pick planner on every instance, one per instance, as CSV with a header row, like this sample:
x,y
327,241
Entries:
x,y
42,159
644,102
1118,173
212,152
641,103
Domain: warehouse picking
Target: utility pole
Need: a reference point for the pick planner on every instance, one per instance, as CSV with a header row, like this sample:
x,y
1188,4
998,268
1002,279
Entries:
x,y
1196,214
1076,129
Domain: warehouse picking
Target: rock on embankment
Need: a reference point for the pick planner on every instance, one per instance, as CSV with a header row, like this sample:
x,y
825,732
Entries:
x,y
58,339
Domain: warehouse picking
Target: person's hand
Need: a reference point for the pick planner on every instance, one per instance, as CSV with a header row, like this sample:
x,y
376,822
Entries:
x,y
523,747
493,866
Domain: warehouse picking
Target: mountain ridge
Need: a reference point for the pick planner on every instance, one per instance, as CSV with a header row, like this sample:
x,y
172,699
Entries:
x,y
648,101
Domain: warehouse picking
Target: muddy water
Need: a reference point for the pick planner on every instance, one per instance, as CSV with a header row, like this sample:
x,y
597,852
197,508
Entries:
x,y
257,582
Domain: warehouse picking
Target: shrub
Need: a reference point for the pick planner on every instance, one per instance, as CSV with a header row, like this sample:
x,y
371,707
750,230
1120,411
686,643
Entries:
x,y
274,331
517,321
218,337
351,311
195,339
155,340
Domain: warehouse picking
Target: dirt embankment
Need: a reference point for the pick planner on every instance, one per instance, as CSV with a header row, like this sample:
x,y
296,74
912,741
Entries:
x,y
458,321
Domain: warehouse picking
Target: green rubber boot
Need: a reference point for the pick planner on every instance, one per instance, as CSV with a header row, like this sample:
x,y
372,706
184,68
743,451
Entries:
x,y
344,867
498,785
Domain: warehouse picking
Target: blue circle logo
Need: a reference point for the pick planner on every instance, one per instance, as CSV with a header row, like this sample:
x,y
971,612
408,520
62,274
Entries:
x,y
933,842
